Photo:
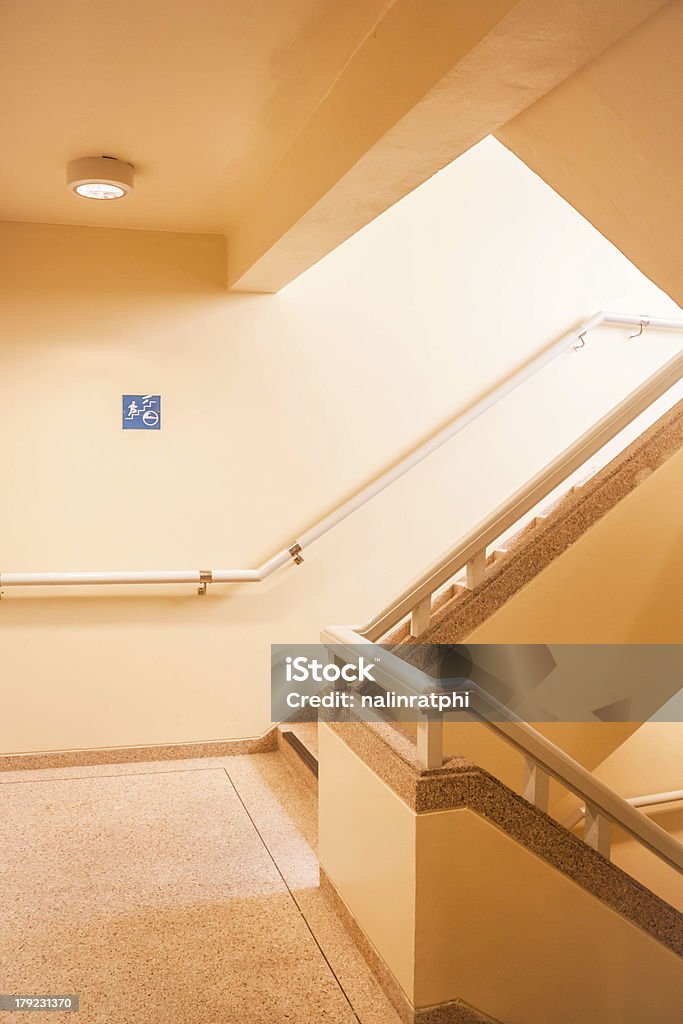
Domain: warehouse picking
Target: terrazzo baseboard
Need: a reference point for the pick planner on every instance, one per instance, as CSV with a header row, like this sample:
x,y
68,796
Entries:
x,y
453,1012
123,755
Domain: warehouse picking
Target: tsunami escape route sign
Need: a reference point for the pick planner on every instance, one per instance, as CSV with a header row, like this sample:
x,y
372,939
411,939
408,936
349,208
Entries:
x,y
141,412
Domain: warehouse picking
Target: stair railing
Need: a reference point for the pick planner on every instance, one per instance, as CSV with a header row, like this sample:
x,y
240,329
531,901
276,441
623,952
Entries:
x,y
542,759
673,796
470,552
575,339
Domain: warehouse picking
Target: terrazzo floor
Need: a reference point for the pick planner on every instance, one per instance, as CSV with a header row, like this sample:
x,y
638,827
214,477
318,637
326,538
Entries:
x,y
174,891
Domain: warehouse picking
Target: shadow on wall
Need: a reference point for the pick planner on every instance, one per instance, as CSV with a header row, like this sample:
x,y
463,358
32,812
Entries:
x,y
158,263
670,567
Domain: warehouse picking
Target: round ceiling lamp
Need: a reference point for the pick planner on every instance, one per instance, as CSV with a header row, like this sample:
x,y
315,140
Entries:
x,y
100,177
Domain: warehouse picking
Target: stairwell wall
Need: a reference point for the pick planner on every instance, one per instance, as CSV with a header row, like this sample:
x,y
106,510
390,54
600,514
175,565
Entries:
x,y
275,408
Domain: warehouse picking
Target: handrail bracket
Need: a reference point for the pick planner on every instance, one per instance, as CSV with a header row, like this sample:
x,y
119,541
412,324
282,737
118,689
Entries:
x,y
295,552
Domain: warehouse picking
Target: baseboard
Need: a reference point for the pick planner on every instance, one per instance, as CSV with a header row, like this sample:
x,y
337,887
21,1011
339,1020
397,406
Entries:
x,y
123,755
452,1012
384,975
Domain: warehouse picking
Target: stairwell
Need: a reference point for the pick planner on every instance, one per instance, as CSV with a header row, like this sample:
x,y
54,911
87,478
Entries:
x,y
440,896
474,801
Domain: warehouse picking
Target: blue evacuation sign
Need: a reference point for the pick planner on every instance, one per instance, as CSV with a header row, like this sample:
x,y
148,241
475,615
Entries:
x,y
141,412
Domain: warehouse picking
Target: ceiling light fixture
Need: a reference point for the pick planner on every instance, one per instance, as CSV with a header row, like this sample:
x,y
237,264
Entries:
x,y
100,177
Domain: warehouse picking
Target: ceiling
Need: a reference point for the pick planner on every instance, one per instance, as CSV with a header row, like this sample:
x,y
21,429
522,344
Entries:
x,y
608,141
203,96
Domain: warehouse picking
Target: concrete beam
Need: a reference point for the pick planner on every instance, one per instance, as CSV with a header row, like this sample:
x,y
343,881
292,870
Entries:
x,y
608,140
432,79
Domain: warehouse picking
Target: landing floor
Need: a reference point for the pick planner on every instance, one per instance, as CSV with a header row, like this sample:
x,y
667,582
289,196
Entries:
x,y
174,892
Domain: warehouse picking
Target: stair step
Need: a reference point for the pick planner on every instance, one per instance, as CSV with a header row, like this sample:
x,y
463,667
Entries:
x,y
305,755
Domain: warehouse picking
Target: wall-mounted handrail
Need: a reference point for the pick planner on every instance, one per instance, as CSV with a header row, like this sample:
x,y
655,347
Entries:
x,y
574,339
522,501
542,757
674,796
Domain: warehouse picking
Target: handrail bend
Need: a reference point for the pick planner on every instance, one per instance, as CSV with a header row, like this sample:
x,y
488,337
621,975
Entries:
x,y
573,339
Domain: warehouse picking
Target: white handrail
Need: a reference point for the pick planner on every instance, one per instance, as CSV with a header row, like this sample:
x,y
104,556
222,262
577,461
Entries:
x,y
574,339
603,802
647,800
523,500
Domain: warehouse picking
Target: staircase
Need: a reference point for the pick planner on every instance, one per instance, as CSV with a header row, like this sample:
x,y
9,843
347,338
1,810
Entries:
x,y
298,742
462,887
456,811
462,606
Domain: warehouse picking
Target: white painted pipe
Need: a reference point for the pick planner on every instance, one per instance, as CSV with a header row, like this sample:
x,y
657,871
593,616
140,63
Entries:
x,y
624,319
654,799
61,579
648,800
58,579
571,340
276,562
472,413
235,576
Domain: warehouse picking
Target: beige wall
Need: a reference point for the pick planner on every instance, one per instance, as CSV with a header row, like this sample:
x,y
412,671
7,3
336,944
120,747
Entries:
x,y
459,910
621,582
367,849
607,140
588,742
649,761
501,929
275,409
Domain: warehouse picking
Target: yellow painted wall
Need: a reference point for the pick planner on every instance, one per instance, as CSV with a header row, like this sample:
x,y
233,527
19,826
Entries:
x,y
606,139
367,848
588,742
275,408
459,910
501,929
649,761
621,582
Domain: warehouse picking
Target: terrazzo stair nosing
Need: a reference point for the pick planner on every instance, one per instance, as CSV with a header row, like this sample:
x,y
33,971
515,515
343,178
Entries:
x,y
264,743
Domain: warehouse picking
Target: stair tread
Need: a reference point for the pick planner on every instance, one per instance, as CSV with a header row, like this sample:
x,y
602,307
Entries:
x,y
306,732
